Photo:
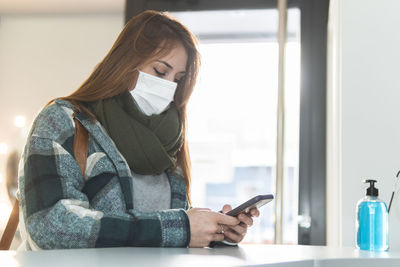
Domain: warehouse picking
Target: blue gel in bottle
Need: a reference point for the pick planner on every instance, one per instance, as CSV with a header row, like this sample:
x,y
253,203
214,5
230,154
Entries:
x,y
372,221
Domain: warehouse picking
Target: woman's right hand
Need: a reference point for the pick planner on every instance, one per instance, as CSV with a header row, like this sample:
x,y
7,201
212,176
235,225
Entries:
x,y
205,226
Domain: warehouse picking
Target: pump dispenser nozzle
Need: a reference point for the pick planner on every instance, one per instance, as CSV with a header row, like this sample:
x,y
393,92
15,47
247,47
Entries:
x,y
372,190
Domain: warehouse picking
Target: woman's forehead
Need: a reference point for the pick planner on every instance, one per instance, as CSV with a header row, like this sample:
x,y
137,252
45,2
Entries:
x,y
176,58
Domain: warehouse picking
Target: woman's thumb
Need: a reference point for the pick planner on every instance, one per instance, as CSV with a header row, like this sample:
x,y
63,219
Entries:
x,y
226,208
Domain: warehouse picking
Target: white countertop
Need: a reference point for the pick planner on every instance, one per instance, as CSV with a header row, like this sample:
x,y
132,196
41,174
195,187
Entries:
x,y
244,255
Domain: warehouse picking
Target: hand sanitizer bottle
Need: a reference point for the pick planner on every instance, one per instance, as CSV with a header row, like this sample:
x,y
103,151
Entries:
x,y
372,221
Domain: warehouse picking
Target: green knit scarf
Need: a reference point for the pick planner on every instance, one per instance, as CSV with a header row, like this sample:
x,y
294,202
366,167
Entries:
x,y
148,143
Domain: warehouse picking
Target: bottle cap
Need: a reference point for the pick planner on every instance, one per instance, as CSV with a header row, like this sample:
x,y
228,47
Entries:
x,y
372,190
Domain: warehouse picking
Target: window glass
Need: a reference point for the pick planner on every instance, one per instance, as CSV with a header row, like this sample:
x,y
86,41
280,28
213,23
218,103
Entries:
x,y
232,114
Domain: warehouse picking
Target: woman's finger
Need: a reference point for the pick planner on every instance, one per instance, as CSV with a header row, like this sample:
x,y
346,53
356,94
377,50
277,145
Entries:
x,y
254,212
245,219
218,237
233,237
225,219
240,229
226,208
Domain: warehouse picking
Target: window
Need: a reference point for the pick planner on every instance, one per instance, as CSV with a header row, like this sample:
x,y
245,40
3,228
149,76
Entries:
x,y
232,114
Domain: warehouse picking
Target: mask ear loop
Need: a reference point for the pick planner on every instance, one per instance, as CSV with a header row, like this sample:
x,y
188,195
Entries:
x,y
395,187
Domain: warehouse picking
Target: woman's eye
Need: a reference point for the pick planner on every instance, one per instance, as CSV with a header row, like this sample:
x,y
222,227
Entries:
x,y
158,72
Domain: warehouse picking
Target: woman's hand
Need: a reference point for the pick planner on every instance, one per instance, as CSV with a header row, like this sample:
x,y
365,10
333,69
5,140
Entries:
x,y
206,226
235,234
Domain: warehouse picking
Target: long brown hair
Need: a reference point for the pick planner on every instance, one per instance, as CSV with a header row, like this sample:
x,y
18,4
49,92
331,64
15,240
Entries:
x,y
144,38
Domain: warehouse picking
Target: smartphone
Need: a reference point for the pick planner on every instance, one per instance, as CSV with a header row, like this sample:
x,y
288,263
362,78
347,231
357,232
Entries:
x,y
255,202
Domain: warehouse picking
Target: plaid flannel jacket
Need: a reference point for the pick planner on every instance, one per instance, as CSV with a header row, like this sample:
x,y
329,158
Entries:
x,y
62,209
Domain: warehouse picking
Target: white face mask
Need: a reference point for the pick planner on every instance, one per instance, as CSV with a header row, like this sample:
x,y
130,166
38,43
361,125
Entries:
x,y
153,94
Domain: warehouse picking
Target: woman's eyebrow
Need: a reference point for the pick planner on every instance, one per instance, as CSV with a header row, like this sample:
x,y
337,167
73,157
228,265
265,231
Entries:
x,y
168,65
165,63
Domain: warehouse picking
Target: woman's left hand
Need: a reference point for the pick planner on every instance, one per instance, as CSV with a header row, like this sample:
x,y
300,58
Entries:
x,y
236,234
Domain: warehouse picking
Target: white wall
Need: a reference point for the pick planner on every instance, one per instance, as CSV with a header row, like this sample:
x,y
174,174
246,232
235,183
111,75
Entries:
x,y
42,57
370,46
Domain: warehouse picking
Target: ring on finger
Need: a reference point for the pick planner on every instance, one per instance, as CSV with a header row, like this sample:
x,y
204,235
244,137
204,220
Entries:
x,y
222,229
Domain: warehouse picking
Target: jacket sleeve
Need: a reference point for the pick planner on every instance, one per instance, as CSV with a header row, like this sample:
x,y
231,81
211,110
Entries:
x,y
57,214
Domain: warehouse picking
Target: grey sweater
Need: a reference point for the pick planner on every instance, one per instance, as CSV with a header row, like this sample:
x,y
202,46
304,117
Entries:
x,y
151,192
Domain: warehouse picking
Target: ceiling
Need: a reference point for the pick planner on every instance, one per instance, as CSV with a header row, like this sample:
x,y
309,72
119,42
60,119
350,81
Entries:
x,y
16,7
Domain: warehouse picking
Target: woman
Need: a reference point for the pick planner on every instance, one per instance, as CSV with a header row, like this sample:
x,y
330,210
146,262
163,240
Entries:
x,y
135,189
